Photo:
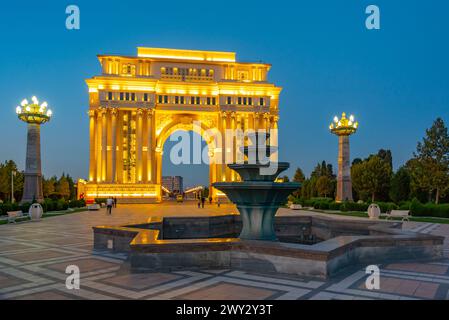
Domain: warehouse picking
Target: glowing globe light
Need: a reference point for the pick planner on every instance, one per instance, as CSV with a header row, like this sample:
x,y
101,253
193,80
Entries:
x,y
33,112
344,126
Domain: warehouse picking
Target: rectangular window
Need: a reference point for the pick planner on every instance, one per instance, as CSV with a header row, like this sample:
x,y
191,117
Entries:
x,y
239,100
121,96
198,101
109,95
229,100
244,101
250,101
127,96
145,97
133,96
177,99
182,99
165,99
214,101
261,101
208,100
159,99
192,100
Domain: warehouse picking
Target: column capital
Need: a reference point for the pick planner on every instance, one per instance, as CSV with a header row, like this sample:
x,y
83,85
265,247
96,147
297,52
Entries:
x,y
150,113
139,111
91,113
113,111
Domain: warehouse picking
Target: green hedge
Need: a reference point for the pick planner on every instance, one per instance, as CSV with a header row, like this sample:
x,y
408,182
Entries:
x,y
6,207
428,210
47,205
416,208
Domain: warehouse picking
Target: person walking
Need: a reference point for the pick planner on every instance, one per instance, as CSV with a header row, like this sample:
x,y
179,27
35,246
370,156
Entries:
x,y
199,202
203,200
109,204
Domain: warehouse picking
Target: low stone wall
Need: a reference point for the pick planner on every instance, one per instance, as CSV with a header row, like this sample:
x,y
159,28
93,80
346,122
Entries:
x,y
172,244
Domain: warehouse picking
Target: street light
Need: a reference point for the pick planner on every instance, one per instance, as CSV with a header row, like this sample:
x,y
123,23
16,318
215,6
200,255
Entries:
x,y
343,128
13,174
34,114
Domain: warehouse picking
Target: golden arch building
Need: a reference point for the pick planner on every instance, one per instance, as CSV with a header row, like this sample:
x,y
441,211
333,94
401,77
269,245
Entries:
x,y
138,102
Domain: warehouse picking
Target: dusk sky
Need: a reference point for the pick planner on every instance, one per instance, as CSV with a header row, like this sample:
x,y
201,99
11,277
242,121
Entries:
x,y
394,80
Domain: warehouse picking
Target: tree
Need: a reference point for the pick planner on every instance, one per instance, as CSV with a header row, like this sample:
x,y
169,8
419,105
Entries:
x,y
324,186
6,170
400,185
299,176
386,156
62,187
48,186
371,177
430,166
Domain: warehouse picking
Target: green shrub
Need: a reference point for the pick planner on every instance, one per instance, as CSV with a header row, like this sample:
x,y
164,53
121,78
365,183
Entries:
x,y
335,206
353,206
387,206
323,205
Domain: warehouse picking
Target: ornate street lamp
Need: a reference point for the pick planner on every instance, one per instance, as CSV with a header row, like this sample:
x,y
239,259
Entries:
x,y
343,128
34,115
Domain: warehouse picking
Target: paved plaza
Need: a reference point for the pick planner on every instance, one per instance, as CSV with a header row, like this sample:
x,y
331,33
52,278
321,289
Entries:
x,y
34,257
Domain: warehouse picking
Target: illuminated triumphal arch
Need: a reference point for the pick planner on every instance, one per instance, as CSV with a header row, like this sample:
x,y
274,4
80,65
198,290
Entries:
x,y
138,102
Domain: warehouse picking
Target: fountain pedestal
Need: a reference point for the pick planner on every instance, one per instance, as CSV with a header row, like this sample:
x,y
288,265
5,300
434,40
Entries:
x,y
258,197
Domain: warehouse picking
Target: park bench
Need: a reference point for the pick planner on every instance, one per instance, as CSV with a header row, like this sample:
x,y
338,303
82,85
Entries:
x,y
13,215
404,214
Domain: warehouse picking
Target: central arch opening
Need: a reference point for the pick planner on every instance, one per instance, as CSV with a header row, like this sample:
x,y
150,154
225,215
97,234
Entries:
x,y
184,168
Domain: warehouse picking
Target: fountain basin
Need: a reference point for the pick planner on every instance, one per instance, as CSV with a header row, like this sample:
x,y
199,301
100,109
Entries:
x,y
257,202
178,243
252,172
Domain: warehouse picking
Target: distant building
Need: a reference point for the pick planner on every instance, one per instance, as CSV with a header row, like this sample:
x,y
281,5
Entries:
x,y
173,184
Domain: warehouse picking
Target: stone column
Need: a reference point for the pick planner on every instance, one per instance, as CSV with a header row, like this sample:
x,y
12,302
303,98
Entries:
x,y
233,144
98,145
344,185
104,146
114,145
223,146
139,145
119,157
33,174
92,147
150,150
274,138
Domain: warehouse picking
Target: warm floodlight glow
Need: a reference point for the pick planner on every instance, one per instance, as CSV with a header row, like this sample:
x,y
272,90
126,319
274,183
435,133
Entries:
x,y
24,102
34,99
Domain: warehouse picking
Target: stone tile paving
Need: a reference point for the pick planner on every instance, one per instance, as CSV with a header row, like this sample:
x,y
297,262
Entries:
x,y
34,257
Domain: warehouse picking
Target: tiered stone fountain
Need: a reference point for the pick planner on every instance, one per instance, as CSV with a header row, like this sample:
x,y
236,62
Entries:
x,y
258,197
308,245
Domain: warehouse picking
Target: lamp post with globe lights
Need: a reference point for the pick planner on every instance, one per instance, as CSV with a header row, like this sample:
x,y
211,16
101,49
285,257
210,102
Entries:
x,y
34,114
343,128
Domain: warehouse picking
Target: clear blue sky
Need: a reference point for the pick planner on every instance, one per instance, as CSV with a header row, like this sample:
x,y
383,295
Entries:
x,y
396,80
